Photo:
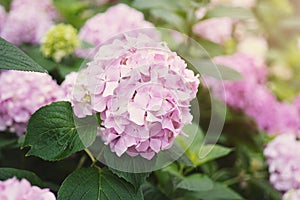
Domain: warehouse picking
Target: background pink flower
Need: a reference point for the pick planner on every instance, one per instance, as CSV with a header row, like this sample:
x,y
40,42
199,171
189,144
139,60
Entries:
x,y
283,158
28,21
142,91
251,96
103,26
13,189
217,30
21,94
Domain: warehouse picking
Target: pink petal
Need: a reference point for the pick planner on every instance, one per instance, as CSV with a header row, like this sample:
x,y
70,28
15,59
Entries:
x,y
148,155
109,88
136,115
155,145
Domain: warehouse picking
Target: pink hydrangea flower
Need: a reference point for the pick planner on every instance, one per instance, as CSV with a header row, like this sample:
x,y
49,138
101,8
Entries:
x,y
283,158
253,97
217,30
117,19
21,94
68,85
291,195
28,21
13,189
142,91
2,17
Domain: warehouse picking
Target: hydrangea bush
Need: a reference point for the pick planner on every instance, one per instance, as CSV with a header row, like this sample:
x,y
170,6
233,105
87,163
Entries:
x,y
92,92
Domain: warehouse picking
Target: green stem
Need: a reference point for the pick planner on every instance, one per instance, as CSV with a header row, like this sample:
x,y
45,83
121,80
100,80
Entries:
x,y
91,156
81,162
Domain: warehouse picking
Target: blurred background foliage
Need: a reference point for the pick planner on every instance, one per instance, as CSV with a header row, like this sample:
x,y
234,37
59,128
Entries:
x,y
239,170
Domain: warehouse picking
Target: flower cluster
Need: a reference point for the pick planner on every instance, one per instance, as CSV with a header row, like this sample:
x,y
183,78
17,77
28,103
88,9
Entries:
x,y
142,91
251,95
13,189
28,21
218,30
117,19
283,158
60,41
24,93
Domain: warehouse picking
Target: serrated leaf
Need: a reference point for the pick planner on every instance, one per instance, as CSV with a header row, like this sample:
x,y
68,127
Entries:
x,y
218,192
153,193
53,135
136,179
196,182
6,173
13,58
229,11
96,184
211,152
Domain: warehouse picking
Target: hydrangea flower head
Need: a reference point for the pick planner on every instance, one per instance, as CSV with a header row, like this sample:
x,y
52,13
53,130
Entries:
x,y
23,94
117,19
13,189
142,91
253,97
28,21
283,158
60,41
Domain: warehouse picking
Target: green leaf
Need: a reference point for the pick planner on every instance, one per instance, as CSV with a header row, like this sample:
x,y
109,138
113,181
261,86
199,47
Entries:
x,y
8,141
192,149
96,184
165,5
218,192
211,152
153,193
136,179
196,182
6,173
53,135
221,72
232,12
13,58
171,18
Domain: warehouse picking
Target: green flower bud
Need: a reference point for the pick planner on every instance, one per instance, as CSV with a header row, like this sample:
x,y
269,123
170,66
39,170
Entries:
x,y
59,42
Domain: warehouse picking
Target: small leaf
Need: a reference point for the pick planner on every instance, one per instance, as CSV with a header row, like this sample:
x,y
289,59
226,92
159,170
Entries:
x,y
171,18
232,12
165,5
6,173
211,152
136,179
218,192
221,72
14,59
192,149
196,182
153,193
96,184
53,135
